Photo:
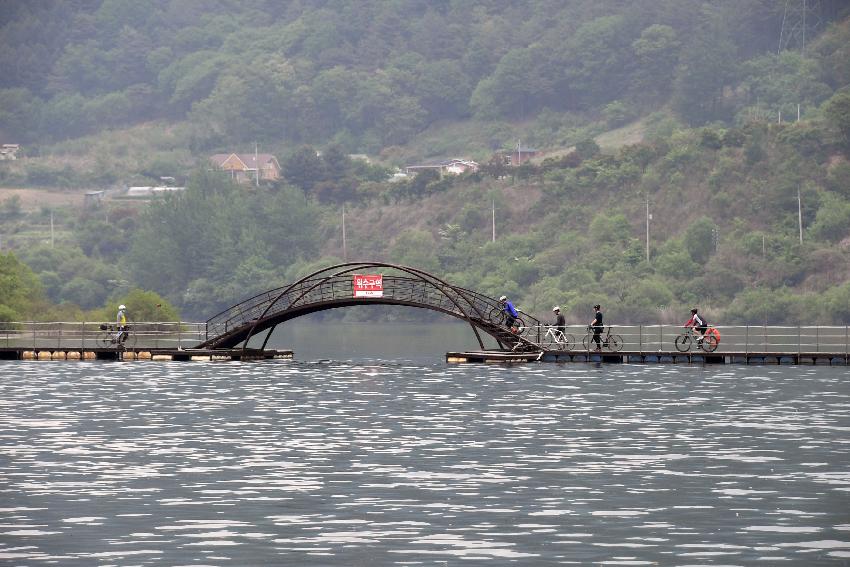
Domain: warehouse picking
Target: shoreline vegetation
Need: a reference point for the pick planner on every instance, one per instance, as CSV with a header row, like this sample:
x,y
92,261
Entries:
x,y
674,171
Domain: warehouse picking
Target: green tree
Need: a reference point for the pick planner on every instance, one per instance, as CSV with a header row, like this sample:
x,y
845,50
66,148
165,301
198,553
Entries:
x,y
837,112
21,293
415,248
699,239
11,207
20,113
656,51
706,66
303,168
832,222
835,305
594,59
515,87
144,306
587,148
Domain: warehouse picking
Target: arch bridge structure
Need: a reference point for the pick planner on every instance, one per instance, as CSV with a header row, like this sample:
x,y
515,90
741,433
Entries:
x,y
336,287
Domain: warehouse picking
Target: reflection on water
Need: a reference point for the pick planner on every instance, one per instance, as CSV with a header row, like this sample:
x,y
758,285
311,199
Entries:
x,y
398,342
366,463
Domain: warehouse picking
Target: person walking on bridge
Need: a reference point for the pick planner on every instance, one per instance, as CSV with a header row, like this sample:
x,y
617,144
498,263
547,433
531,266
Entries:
x,y
560,321
597,327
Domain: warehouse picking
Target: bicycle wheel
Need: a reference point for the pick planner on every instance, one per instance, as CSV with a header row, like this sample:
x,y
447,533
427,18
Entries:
x,y
104,340
683,343
587,343
709,343
569,342
615,343
497,316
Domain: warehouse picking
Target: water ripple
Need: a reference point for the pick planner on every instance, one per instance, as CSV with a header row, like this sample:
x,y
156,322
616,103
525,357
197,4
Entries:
x,y
398,464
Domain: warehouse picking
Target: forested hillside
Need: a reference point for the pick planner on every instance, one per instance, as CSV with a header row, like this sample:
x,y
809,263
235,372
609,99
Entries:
x,y
742,110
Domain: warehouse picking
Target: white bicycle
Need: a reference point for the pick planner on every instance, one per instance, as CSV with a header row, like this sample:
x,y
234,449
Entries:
x,y
556,339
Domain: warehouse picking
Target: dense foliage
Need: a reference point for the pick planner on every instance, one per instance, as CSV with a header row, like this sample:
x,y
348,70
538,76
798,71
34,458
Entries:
x,y
369,74
729,174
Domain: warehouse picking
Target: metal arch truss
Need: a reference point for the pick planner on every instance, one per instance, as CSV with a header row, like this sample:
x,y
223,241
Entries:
x,y
333,287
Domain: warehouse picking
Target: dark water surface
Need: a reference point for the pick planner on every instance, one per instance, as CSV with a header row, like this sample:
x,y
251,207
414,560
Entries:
x,y
419,463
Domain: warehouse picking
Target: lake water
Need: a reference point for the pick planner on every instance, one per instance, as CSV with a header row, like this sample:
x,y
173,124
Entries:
x,y
369,450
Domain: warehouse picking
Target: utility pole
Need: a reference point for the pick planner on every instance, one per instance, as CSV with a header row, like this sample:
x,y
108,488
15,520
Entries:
x,y
51,228
257,163
797,17
494,221
800,214
344,247
648,216
803,49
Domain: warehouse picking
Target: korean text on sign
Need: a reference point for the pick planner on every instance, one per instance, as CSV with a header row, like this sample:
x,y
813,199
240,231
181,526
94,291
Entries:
x,y
368,285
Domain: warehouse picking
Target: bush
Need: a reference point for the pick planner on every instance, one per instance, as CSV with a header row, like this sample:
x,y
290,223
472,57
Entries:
x,y
616,113
7,315
832,222
710,139
835,305
699,239
733,138
587,148
41,175
769,307
838,179
145,306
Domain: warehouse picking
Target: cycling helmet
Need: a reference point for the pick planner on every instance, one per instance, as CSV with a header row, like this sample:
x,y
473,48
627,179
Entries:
x,y
556,308
122,307
597,306
503,298
694,310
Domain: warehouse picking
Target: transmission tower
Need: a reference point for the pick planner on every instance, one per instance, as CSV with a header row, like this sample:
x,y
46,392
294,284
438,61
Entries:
x,y
799,19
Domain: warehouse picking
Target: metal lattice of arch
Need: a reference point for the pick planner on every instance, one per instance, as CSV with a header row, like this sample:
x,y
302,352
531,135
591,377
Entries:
x,y
333,287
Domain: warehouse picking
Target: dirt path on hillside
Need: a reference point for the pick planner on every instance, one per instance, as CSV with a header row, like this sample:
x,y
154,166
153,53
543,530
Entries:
x,y
34,199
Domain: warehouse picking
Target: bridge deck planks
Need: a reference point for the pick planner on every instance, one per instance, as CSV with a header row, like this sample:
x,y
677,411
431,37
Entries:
x,y
644,357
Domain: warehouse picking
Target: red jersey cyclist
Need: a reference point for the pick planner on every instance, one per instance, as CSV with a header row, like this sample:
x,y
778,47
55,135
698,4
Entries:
x,y
699,323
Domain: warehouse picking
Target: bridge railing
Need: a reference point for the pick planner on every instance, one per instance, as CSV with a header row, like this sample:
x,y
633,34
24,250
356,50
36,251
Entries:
x,y
322,290
89,335
767,339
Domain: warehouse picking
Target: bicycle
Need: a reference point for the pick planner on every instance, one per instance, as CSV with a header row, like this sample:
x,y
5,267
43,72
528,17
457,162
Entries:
x,y
111,337
613,343
556,339
686,340
497,317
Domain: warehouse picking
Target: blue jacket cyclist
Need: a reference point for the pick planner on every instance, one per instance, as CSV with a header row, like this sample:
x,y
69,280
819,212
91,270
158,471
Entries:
x,y
510,311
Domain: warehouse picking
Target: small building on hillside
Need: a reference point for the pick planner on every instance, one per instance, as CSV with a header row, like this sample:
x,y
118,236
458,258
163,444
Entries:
x,y
360,157
519,155
147,191
9,152
244,168
92,199
451,166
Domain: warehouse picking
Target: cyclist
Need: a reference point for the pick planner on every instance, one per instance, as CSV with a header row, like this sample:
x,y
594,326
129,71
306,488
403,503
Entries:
x,y
121,324
597,326
510,312
560,322
699,323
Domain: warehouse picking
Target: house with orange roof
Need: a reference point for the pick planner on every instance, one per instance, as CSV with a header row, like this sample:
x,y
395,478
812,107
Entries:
x,y
248,168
